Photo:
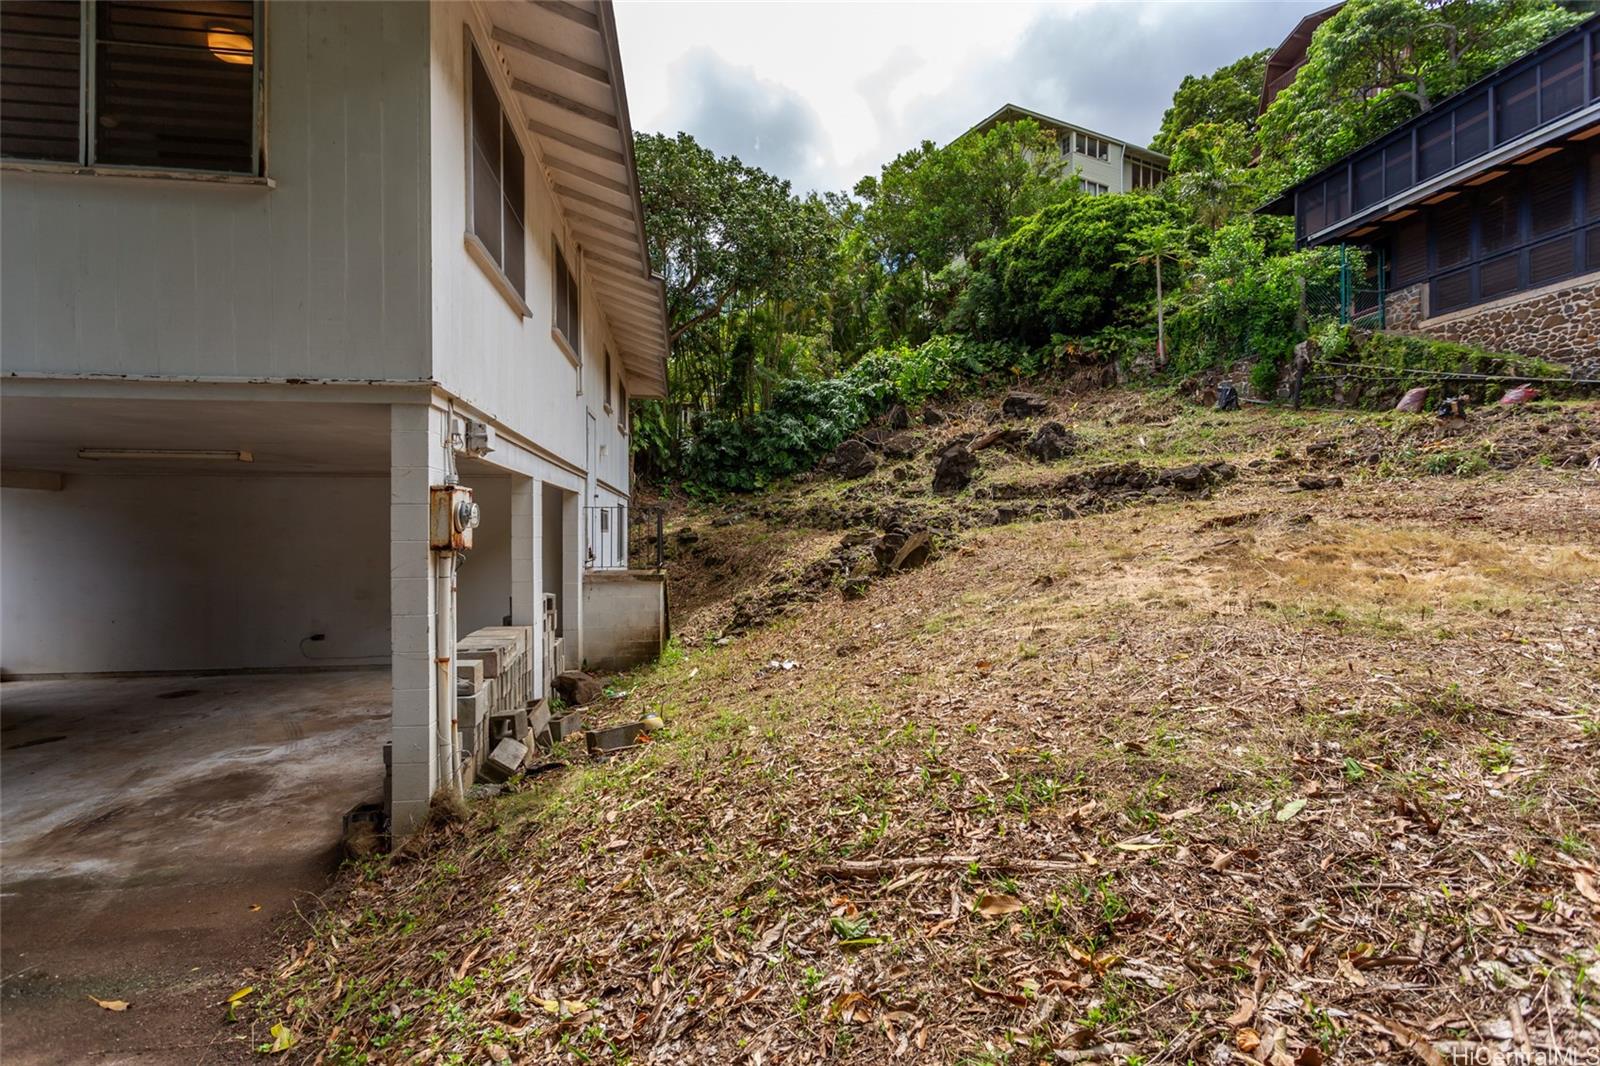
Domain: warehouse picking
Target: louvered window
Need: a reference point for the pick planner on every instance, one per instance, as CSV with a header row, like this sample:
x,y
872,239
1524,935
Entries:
x,y
1452,237
1593,194
1551,197
1472,129
1369,180
1337,198
1561,82
1516,105
41,81
1450,292
175,84
1410,252
497,180
1434,143
1397,168
1496,277
1552,260
1499,221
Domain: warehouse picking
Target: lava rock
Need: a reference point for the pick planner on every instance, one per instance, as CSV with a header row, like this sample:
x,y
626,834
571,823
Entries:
x,y
687,535
899,417
955,471
1024,405
902,549
901,446
1052,441
852,459
577,688
932,416
1314,482
1005,438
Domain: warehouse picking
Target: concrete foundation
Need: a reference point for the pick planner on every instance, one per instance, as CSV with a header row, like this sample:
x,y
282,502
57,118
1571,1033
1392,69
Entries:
x,y
157,832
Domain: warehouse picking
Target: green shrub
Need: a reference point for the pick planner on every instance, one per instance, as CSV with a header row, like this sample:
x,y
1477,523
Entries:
x,y
809,418
1063,271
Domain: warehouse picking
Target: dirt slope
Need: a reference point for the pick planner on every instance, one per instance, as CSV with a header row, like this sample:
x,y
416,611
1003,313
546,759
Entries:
x,y
1234,772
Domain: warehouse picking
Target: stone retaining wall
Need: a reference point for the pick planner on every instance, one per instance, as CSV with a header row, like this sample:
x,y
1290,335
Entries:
x,y
1559,323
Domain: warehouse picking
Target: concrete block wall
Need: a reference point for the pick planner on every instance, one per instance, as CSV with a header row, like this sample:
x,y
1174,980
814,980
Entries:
x,y
625,618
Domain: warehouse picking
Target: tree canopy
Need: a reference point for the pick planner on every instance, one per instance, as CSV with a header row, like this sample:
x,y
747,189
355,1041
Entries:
x,y
1229,95
1376,63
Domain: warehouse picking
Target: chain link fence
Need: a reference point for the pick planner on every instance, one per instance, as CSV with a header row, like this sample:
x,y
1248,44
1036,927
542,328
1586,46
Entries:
x,y
1356,296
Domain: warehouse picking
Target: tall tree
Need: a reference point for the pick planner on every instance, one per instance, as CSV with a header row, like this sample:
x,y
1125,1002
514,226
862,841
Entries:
x,y
1376,63
1229,94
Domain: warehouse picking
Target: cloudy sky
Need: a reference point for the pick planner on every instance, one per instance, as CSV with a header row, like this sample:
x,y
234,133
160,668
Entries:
x,y
822,93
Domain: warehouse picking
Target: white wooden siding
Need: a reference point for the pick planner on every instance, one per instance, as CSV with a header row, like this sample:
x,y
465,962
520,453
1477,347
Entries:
x,y
323,276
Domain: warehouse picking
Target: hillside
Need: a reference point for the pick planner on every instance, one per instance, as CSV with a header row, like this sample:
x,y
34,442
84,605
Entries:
x,y
1249,737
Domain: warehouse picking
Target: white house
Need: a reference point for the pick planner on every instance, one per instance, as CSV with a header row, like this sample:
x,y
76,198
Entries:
x,y
1103,164
272,270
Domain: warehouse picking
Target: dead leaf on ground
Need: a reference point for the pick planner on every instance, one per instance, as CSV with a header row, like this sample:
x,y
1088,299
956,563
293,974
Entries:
x,y
1586,887
283,1038
118,1005
995,904
1247,1009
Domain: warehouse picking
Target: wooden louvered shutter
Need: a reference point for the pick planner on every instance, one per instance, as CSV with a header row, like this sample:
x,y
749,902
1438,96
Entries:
x,y
41,103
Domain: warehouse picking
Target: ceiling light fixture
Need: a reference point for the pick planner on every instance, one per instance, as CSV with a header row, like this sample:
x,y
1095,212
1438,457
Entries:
x,y
179,454
229,45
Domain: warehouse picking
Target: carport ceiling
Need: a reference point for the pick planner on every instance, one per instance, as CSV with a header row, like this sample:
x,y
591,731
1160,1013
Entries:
x,y
46,433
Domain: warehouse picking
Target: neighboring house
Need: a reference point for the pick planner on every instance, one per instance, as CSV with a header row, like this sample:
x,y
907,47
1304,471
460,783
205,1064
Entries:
x,y
271,271
1287,59
1484,210
1103,164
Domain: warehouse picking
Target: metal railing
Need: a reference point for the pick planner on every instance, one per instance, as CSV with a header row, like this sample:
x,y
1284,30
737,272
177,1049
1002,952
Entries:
x,y
620,537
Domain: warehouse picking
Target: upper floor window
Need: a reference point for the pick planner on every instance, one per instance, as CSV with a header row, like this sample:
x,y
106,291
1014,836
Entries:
x,y
1147,175
1093,147
568,311
165,86
623,421
495,191
608,379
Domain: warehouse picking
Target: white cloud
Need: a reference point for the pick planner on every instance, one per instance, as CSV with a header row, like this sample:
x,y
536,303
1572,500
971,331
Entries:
x,y
823,93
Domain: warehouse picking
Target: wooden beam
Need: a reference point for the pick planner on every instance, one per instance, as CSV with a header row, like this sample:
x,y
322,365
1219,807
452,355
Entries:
x,y
571,12
550,55
589,176
610,244
555,99
582,221
596,257
572,140
578,196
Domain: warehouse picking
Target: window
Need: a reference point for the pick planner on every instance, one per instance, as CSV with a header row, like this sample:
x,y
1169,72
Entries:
x,y
1093,188
1147,175
1093,147
170,87
568,308
1516,105
1472,128
1397,167
496,187
608,379
1369,179
1561,82
1435,147
623,420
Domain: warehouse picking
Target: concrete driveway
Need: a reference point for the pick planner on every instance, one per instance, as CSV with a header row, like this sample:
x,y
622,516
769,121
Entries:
x,y
156,835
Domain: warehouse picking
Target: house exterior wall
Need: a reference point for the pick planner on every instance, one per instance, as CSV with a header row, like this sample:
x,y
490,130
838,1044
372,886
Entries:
x,y
323,276
144,574
625,619
1560,323
508,366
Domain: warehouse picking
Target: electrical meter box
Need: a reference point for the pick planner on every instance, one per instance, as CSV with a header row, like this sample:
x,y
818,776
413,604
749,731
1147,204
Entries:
x,y
453,516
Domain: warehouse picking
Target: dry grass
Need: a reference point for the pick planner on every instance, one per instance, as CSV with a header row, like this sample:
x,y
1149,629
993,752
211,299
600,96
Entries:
x,y
1181,782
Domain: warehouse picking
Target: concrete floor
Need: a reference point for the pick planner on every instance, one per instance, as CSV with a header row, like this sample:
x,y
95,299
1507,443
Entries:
x,y
141,819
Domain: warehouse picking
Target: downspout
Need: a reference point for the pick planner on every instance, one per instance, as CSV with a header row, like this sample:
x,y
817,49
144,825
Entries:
x,y
444,628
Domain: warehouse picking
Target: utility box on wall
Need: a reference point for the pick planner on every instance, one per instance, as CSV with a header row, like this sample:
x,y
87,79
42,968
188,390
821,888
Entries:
x,y
453,515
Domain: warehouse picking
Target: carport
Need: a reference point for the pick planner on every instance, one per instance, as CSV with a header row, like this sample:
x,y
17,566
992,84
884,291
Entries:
x,y
196,632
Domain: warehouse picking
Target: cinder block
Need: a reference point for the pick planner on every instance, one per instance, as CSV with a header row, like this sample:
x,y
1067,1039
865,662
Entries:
x,y
470,673
505,760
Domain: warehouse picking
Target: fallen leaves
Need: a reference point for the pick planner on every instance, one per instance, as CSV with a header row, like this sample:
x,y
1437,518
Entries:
x,y
283,1038
1586,886
1292,808
995,904
117,1005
